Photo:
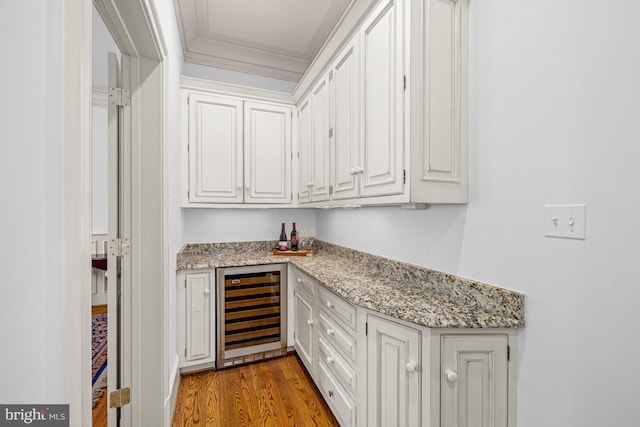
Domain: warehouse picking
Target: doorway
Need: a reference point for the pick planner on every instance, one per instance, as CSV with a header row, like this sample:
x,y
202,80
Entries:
x,y
110,322
134,28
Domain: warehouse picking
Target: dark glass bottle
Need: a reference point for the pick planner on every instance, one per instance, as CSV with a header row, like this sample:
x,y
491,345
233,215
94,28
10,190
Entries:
x,y
294,238
282,241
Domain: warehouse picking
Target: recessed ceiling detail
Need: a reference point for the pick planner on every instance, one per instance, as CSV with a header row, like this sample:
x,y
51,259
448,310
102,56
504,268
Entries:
x,y
273,38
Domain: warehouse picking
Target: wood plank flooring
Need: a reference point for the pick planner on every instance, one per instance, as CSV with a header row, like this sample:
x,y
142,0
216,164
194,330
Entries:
x,y
276,392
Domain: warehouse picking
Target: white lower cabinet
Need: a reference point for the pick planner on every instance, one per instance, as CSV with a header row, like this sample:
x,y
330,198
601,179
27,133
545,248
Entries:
x,y
325,340
474,381
393,373
344,409
376,370
196,319
303,327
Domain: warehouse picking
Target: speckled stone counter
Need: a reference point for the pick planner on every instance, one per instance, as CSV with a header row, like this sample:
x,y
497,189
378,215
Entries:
x,y
408,292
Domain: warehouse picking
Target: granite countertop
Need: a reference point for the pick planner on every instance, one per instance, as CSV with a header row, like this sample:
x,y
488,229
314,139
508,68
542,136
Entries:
x,y
404,291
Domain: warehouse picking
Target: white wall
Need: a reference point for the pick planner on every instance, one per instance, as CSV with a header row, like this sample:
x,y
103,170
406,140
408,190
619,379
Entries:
x,y
240,225
554,118
32,353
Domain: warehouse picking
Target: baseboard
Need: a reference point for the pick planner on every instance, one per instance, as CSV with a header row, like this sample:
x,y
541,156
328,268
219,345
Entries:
x,y
174,384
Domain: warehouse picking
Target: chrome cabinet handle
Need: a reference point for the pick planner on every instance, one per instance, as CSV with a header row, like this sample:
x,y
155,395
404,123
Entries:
x,y
310,322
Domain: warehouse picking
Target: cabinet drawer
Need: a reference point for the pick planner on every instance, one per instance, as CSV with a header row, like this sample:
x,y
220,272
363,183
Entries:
x,y
338,308
304,281
338,337
343,407
338,366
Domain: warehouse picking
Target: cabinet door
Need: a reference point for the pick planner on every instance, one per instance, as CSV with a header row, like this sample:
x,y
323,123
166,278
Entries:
x,y
382,156
474,381
393,374
320,170
439,101
215,149
345,122
304,339
267,153
304,151
198,316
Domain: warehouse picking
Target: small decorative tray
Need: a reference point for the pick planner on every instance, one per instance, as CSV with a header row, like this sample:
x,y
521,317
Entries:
x,y
299,252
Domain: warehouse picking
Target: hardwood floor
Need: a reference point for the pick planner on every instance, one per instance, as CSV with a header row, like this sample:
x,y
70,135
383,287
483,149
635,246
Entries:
x,y
99,418
275,392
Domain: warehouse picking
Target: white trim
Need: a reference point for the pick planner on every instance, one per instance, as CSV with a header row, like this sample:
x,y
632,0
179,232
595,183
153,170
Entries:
x,y
77,206
174,385
249,62
347,27
195,84
99,96
153,21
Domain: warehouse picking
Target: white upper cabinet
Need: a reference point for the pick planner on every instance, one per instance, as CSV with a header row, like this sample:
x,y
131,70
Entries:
x,y
238,151
382,48
267,153
304,151
313,145
345,122
320,171
439,101
398,104
215,149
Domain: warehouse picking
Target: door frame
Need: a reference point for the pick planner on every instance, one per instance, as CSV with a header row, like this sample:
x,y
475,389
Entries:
x,y
135,28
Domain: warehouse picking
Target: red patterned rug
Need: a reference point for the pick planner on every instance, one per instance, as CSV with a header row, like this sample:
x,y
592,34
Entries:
x,y
98,355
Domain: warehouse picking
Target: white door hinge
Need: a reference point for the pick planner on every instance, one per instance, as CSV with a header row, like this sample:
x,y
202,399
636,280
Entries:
x,y
120,97
119,247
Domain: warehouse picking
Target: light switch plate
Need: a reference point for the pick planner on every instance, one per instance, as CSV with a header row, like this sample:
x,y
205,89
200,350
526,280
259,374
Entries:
x,y
566,221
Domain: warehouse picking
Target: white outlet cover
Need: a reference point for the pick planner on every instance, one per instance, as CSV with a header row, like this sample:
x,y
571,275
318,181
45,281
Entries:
x,y
565,221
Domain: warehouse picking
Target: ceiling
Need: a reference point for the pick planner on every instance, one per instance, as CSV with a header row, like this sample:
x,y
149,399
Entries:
x,y
273,38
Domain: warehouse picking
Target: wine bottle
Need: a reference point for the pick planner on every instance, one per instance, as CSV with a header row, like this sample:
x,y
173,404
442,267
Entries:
x,y
282,241
294,238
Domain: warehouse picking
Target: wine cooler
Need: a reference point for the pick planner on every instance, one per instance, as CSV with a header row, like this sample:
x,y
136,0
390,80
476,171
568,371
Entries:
x,y
252,319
